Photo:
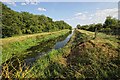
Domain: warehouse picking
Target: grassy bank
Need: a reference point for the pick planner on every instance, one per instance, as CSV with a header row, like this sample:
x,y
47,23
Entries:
x,y
82,58
52,65
95,58
18,45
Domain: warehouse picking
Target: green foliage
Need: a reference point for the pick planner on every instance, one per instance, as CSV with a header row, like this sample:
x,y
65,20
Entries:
x,y
18,23
110,26
84,27
84,61
62,25
19,48
92,61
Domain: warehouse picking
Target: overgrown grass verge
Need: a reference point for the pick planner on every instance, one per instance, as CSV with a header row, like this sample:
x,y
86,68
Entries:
x,y
94,58
53,65
18,46
81,59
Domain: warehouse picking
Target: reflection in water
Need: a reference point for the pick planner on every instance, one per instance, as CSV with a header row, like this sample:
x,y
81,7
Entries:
x,y
61,44
35,52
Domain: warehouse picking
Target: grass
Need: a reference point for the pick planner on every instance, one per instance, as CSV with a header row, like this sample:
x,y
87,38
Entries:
x,y
21,70
82,58
24,37
102,38
99,55
53,64
18,45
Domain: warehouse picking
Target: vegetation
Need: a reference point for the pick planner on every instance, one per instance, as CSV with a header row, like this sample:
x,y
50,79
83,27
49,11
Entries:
x,y
19,45
19,23
110,26
81,58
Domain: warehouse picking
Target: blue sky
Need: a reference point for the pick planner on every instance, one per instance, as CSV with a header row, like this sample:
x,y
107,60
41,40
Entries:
x,y
71,12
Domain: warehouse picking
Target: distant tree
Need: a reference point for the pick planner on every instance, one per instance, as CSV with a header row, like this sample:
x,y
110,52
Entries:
x,y
78,26
91,27
110,26
17,23
98,26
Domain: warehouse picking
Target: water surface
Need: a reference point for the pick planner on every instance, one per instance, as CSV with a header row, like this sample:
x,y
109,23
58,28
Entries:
x,y
35,52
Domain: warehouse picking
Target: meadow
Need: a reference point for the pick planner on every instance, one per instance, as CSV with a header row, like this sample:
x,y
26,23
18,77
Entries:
x,y
82,58
18,45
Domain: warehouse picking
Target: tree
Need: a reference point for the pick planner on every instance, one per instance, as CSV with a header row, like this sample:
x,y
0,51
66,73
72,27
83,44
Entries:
x,y
98,26
78,26
17,23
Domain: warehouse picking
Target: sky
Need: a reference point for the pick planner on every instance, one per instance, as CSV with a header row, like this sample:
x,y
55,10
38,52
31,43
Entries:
x,y
71,12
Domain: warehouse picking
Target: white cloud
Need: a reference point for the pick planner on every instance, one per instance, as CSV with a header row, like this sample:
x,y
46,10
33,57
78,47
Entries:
x,y
98,16
112,12
34,2
5,0
27,2
69,19
78,14
91,15
81,17
97,8
101,15
42,9
85,12
11,2
23,4
71,0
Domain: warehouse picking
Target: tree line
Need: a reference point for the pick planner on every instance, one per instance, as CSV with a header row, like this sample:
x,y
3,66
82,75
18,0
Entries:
x,y
19,23
110,26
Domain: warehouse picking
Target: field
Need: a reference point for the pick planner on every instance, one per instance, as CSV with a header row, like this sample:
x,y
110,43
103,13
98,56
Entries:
x,y
59,40
18,45
82,58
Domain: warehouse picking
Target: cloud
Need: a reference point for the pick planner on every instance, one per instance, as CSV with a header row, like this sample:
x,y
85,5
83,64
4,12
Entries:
x,y
81,17
78,14
5,0
70,18
97,8
11,2
27,2
98,16
34,2
85,12
107,12
23,4
42,9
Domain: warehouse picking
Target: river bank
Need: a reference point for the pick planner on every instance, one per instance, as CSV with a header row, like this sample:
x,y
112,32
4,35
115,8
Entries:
x,y
81,58
18,45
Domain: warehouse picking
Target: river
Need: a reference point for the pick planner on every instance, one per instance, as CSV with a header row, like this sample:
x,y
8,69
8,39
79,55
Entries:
x,y
43,48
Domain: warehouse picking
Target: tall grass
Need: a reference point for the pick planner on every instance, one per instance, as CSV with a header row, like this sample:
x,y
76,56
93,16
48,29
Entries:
x,y
53,65
15,68
11,71
81,59
18,46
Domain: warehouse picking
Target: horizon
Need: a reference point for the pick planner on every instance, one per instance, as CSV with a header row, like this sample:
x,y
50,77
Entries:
x,y
73,13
